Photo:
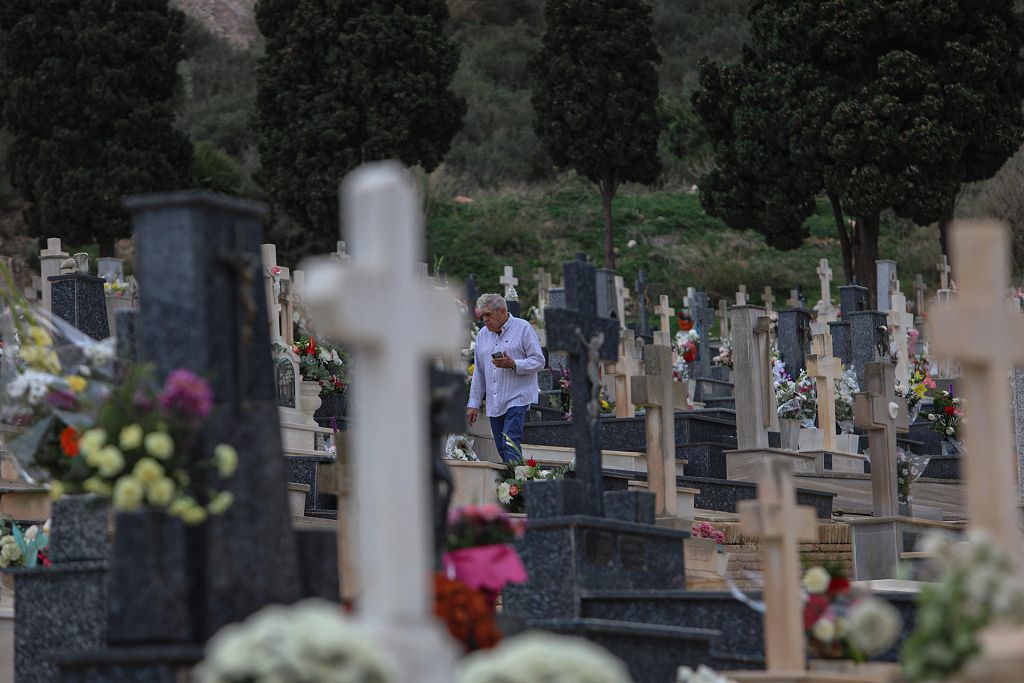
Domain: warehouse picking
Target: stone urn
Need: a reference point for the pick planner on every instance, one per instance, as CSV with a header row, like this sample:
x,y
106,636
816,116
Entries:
x,y
309,397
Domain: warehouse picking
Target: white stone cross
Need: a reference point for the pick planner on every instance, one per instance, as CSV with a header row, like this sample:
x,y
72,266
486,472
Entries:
x,y
654,390
665,313
878,410
944,271
741,296
769,301
723,318
49,265
825,369
900,322
978,330
781,525
358,303
794,298
543,279
272,291
508,279
621,371
621,297
824,308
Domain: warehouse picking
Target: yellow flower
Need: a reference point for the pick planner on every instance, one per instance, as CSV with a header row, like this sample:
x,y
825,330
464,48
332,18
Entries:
x,y
76,383
180,504
91,442
56,490
920,390
160,445
221,502
97,486
148,471
128,492
44,360
226,459
131,437
39,336
160,492
109,461
194,515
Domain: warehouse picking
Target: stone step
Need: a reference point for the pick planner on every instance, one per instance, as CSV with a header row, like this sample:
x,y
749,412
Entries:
x,y
627,461
24,502
722,495
853,492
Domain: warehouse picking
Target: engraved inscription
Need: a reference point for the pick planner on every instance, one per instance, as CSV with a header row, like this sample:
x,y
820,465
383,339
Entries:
x,y
632,552
598,547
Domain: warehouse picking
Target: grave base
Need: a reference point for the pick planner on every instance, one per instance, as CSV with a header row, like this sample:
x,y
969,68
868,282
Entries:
x,y
150,663
746,464
879,543
475,482
882,674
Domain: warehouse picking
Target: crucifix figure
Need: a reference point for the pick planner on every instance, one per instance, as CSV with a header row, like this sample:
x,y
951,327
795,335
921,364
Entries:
x,y
655,392
543,279
781,525
666,314
358,303
978,330
621,371
825,369
944,271
723,318
883,415
641,300
824,308
900,323
578,331
769,301
621,297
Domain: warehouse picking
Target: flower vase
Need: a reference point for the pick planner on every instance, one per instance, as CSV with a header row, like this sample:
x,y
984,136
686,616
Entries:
x,y
6,591
309,397
912,413
952,447
331,405
789,432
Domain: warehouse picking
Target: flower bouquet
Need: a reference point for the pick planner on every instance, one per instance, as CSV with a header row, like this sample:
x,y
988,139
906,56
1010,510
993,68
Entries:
x,y
724,356
322,363
947,416
842,624
686,345
26,548
479,551
518,472
916,389
468,613
909,468
460,447
797,400
707,530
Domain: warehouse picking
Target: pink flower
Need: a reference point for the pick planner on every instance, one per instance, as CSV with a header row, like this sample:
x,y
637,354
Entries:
x,y
275,271
188,394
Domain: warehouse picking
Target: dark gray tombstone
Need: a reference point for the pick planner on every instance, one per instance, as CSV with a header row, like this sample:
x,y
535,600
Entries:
x,y
127,347
556,297
852,299
607,303
644,328
202,308
447,416
586,337
472,293
704,319
869,340
78,298
794,339
841,342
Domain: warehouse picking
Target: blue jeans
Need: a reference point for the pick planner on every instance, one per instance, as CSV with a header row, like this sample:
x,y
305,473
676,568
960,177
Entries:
x,y
511,423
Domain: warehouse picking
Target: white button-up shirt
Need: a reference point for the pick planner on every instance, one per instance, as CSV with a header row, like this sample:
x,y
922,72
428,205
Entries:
x,y
501,387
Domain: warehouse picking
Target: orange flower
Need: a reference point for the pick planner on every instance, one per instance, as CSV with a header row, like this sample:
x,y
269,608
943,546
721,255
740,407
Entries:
x,y
467,613
69,441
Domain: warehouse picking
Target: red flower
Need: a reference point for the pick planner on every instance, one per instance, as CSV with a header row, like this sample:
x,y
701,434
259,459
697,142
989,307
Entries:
x,y
311,347
531,463
69,442
839,584
950,410
815,607
690,354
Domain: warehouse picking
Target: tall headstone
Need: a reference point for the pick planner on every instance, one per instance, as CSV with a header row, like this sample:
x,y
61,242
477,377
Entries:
x,y
825,369
49,266
666,314
755,393
654,391
703,318
901,322
794,339
852,299
78,298
472,294
879,411
607,298
885,270
357,303
587,338
824,308
640,286
869,341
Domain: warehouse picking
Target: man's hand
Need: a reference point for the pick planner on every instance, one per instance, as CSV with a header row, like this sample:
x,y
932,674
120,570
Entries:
x,y
471,416
504,362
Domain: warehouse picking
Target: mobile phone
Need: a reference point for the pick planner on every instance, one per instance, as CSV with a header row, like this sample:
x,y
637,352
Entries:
x,y
498,354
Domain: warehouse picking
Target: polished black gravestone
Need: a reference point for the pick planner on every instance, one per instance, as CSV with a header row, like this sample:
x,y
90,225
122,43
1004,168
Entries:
x,y
842,346
78,298
203,310
852,299
794,339
703,318
869,340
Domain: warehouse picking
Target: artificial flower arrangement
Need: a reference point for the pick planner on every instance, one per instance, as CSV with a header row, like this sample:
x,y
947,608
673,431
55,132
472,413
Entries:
x,y
467,613
797,400
686,345
703,674
724,356
23,548
312,640
707,530
518,472
322,363
844,389
909,468
460,447
116,288
917,388
947,415
534,657
979,587
842,624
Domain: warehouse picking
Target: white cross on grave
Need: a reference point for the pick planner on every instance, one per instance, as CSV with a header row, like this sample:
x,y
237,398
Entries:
x,y
780,525
878,410
794,298
358,303
769,301
543,279
508,279
825,369
272,290
664,336
901,322
621,371
978,330
49,265
741,296
654,390
824,308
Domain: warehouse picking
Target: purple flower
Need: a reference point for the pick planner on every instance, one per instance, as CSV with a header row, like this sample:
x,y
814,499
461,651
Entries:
x,y
61,399
187,394
142,401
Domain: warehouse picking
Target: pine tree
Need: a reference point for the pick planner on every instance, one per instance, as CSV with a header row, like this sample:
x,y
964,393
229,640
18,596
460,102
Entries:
x,y
595,95
343,83
88,91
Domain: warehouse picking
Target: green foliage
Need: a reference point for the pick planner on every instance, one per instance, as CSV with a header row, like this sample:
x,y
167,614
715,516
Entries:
x,y
86,90
215,170
346,83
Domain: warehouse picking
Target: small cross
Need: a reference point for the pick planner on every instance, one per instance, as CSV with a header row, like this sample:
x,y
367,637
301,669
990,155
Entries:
x,y
977,329
769,301
723,317
944,271
825,369
782,525
508,279
666,313
741,296
883,414
794,298
901,322
654,390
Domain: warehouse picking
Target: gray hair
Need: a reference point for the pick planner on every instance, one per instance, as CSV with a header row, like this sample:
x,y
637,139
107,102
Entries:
x,y
491,302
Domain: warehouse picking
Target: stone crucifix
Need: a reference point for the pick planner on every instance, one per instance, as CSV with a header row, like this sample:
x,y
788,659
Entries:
x,y
825,369
944,271
508,279
621,371
666,313
358,303
741,296
977,329
781,525
824,308
723,318
543,279
654,390
883,415
587,338
920,290
900,323
769,301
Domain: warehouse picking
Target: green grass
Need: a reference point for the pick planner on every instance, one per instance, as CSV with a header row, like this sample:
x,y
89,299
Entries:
x,y
676,242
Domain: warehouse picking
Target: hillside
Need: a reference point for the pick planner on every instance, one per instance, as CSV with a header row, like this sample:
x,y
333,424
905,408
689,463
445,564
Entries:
x,y
230,19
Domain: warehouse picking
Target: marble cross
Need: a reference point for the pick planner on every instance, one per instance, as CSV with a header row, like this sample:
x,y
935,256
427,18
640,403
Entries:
x,y
654,390
543,279
919,287
878,410
900,323
825,369
271,288
723,318
781,525
358,303
666,314
824,308
587,338
944,271
741,296
508,279
49,265
621,370
769,301
621,297
640,286
978,330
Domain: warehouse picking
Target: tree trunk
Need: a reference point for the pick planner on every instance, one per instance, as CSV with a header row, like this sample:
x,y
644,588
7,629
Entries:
x,y
945,223
866,254
844,236
608,187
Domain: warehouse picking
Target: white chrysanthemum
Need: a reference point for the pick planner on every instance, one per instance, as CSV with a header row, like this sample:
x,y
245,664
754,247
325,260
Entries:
x,y
702,675
504,493
816,580
873,625
536,657
824,630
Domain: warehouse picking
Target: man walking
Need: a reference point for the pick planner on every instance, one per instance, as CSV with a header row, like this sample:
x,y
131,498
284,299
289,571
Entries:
x,y
505,366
